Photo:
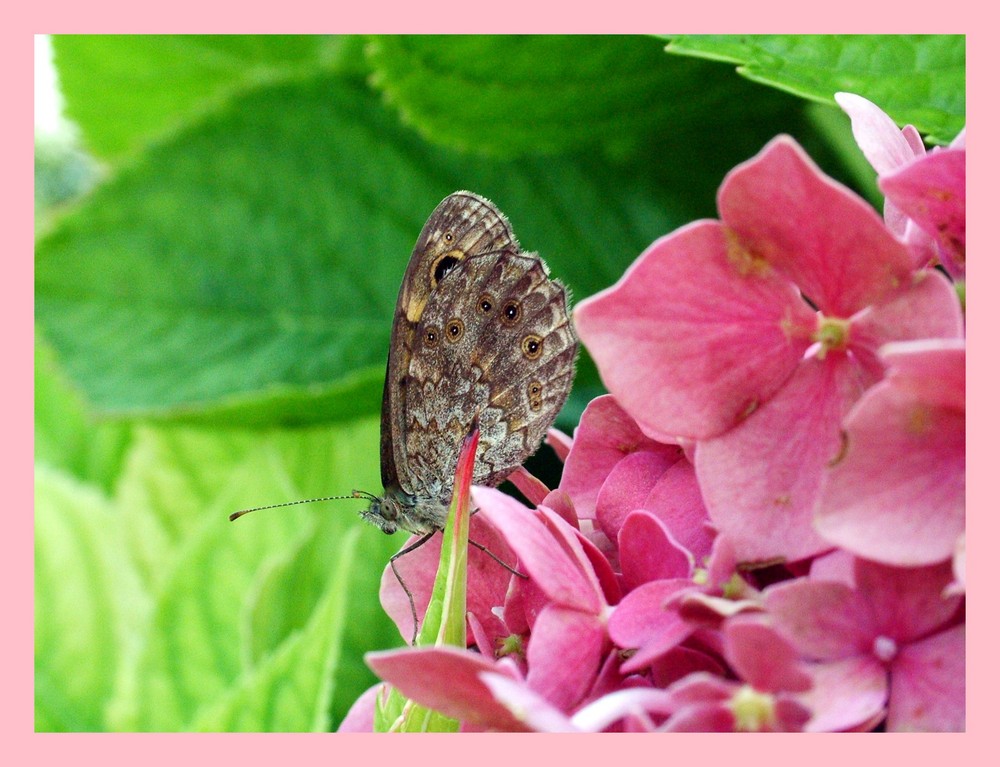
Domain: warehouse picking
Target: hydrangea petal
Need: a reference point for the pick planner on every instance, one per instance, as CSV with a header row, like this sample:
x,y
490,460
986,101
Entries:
x,y
640,703
677,502
884,145
702,717
648,552
932,193
898,493
487,581
682,661
823,619
843,259
907,603
761,480
605,436
928,685
846,694
627,487
361,715
446,679
531,710
762,657
538,552
933,370
564,654
692,336
924,307
642,621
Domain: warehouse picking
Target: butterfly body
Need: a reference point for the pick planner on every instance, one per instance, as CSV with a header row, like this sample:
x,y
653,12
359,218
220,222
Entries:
x,y
481,334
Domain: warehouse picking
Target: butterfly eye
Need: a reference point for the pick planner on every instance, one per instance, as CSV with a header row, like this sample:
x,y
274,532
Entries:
x,y
431,337
535,395
531,346
511,312
455,330
486,303
442,266
448,237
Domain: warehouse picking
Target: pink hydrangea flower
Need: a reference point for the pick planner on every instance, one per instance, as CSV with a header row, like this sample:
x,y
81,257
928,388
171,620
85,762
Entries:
x,y
924,191
766,700
889,645
755,334
897,493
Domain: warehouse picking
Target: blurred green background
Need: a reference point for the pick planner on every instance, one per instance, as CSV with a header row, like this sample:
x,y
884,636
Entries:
x,y
219,248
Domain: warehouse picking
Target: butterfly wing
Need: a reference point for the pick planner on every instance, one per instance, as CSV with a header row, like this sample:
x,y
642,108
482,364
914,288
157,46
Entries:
x,y
495,343
462,226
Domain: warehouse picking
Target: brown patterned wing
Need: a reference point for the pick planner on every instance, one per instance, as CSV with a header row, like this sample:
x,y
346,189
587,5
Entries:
x,y
462,226
494,342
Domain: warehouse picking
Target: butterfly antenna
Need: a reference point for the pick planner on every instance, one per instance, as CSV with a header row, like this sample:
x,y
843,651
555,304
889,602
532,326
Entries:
x,y
356,494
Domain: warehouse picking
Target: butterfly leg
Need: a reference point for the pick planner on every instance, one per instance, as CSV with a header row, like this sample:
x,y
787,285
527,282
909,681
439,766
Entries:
x,y
409,595
497,559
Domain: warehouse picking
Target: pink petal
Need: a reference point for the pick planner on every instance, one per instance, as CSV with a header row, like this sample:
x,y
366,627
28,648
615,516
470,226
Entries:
x,y
540,554
957,586
761,480
560,502
704,717
932,370
361,715
530,486
531,710
676,501
924,307
649,552
564,654
846,694
642,621
907,603
644,704
824,620
446,679
627,488
897,495
693,336
682,661
820,234
928,685
762,657
837,566
881,142
701,687
487,580
605,436
931,191
560,443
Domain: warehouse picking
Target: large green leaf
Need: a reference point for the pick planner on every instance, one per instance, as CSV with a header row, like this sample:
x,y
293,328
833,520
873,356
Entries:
x,y
918,79
67,436
247,269
88,603
120,89
528,94
291,688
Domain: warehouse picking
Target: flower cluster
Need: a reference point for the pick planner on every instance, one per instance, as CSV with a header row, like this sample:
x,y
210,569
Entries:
x,y
761,527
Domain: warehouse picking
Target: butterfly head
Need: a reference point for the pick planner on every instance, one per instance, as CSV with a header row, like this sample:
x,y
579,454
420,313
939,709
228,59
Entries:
x,y
389,512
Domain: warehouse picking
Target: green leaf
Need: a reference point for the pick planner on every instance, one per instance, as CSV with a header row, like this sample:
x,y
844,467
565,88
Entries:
x,y
529,94
291,689
247,271
87,603
149,83
917,79
67,436
230,597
